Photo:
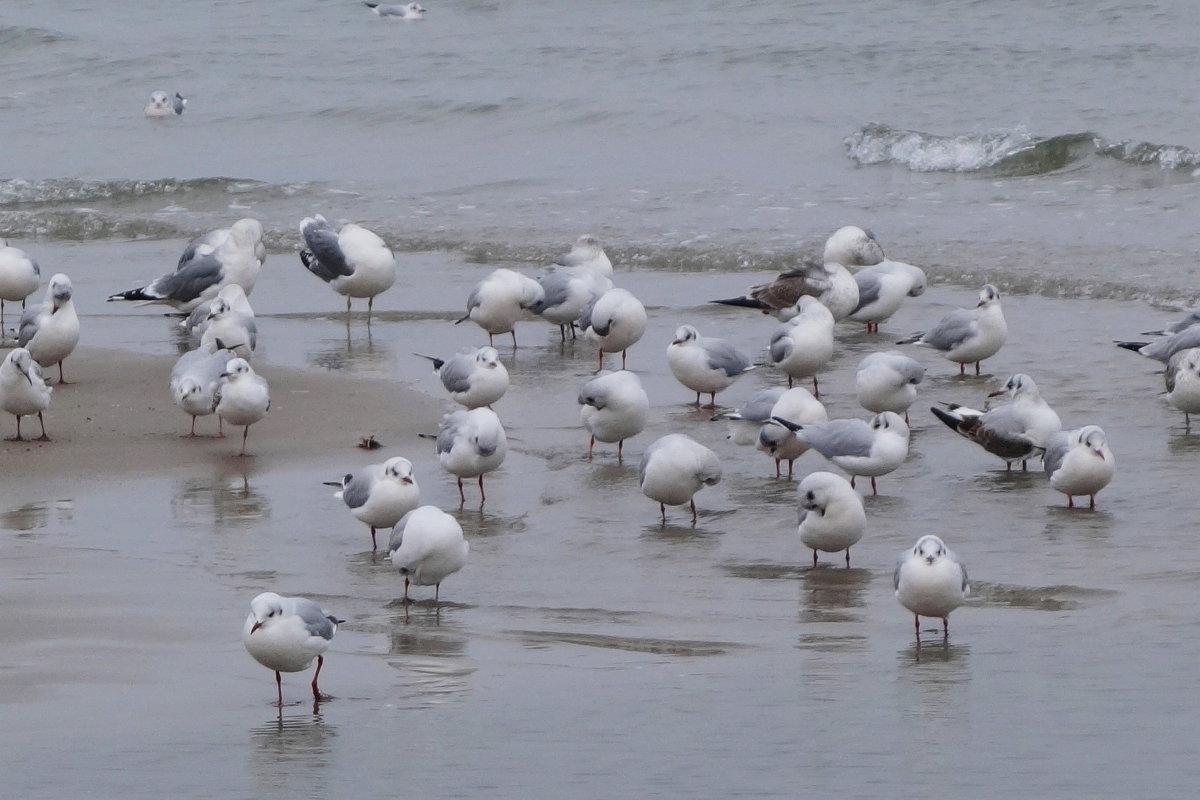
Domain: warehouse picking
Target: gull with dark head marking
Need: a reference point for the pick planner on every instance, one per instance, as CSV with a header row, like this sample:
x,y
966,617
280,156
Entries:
x,y
354,261
867,449
566,292
674,468
745,420
242,397
23,390
930,581
471,444
1079,462
163,105
378,495
798,407
499,300
802,346
616,322
474,377
194,381
285,634
210,262
882,289
1015,428
428,548
828,280
50,331
832,518
613,406
704,364
226,324
1183,383
397,11
196,322
19,277
887,381
966,335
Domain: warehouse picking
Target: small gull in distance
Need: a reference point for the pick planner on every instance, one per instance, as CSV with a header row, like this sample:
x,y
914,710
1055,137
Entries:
x,y
1183,383
23,390
499,300
379,495
427,548
832,518
930,581
1079,462
19,277
285,634
471,444
797,406
574,282
616,322
474,377
50,331
354,261
242,397
674,468
397,11
704,364
867,449
802,346
163,105
613,406
966,335
226,324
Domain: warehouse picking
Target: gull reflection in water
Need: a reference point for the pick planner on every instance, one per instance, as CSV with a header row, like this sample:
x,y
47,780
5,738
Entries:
x,y
291,755
222,500
833,593
357,354
32,516
428,652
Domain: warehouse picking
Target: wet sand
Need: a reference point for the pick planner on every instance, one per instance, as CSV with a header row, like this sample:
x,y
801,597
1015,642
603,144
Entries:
x,y
585,649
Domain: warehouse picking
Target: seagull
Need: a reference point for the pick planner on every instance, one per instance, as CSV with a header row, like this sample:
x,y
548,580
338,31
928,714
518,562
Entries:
x,y
378,495
196,322
19,277
473,377
566,292
613,406
1014,429
1163,348
832,518
802,346
50,331
285,634
242,397
869,449
1079,462
887,381
882,289
499,300
229,255
406,11
829,280
930,581
674,468
1183,383
704,364
966,335
616,321
1191,316
194,380
428,548
353,260
23,390
745,420
797,406
587,252
470,444
225,324
163,105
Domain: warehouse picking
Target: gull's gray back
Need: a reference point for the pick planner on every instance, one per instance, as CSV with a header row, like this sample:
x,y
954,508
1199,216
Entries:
x,y
724,356
322,240
952,330
456,372
1056,450
839,437
314,618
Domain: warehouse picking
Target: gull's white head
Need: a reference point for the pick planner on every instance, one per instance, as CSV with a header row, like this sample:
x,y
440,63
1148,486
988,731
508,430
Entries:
x,y
236,367
989,295
1092,437
685,334
488,357
930,549
399,468
889,421
265,608
852,246
217,308
1019,385
60,289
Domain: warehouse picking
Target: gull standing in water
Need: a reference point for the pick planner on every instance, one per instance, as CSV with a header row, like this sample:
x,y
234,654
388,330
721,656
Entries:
x,y
704,364
1163,348
242,397
674,468
474,377
236,330
194,381
19,277
1015,429
354,261
378,495
797,406
966,335
888,381
1079,462
234,295
23,390
405,11
930,581
163,105
210,262
613,407
745,420
1183,383
428,548
50,331
285,634
471,444
832,518
616,321
802,346
575,281
499,300
882,289
869,449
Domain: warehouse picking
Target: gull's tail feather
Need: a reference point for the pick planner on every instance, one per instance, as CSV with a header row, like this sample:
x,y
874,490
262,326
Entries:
x,y
945,416
912,338
1134,346
139,293
438,363
743,302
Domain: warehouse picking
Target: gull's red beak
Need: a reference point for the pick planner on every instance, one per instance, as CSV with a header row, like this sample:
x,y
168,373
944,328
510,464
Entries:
x,y
996,393
257,624
406,479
